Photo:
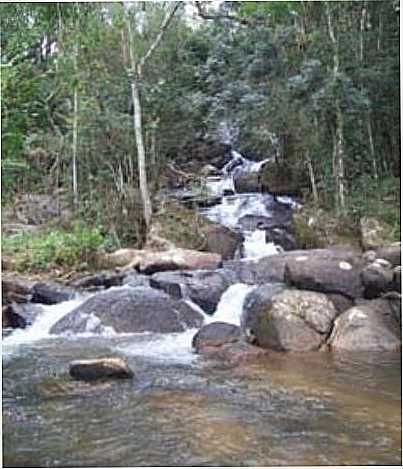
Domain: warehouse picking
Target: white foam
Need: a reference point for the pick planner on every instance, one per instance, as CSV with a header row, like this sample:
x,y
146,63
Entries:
x,y
255,245
39,330
173,348
229,309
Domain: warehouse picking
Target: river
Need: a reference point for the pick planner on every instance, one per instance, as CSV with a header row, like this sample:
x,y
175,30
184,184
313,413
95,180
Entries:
x,y
182,409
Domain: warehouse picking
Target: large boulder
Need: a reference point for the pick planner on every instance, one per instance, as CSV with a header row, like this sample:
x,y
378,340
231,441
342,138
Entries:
x,y
100,368
255,305
51,293
272,268
222,240
294,320
371,326
11,319
374,233
149,262
377,280
187,229
324,275
281,237
203,287
139,309
391,253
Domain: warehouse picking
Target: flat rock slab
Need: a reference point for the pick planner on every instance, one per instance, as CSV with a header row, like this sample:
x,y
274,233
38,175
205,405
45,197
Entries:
x,y
100,368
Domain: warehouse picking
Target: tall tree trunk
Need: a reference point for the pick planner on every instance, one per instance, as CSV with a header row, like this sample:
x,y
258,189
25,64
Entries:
x,y
136,74
312,178
141,154
339,152
75,142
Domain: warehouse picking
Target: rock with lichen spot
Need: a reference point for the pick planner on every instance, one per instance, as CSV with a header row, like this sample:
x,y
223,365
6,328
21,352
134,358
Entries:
x,y
371,326
294,320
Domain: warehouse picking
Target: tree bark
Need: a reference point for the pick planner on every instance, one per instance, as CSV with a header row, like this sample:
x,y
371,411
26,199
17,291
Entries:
x,y
136,74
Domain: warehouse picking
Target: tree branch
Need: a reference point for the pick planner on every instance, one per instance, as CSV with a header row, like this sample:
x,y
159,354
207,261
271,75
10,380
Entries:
x,y
155,44
203,14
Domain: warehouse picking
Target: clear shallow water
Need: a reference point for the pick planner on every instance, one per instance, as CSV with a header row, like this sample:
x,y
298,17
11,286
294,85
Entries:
x,y
305,409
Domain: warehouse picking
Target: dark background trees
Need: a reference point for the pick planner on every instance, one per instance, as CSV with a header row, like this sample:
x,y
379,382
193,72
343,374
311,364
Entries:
x,y
316,83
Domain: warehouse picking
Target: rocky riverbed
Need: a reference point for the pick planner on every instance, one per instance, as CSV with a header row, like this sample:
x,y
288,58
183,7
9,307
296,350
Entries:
x,y
227,325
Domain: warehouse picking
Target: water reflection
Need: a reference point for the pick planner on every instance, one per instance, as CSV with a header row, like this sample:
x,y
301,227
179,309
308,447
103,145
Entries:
x,y
303,409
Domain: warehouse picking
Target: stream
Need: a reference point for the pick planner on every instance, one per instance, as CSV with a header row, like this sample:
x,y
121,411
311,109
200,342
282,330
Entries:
x,y
182,409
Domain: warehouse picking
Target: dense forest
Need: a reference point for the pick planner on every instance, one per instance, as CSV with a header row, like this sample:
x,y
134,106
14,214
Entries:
x,y
103,102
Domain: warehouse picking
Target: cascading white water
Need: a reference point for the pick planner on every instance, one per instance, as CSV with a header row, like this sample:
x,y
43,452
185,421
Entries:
x,y
233,207
229,308
39,330
255,245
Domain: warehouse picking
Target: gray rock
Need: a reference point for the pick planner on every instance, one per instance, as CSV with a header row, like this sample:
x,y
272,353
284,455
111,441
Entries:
x,y
100,368
215,334
255,305
377,280
51,293
203,287
137,309
340,302
367,327
272,268
391,253
104,279
294,320
324,275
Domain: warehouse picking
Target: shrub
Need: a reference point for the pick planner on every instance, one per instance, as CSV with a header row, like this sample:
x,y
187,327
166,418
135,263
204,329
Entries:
x,y
54,248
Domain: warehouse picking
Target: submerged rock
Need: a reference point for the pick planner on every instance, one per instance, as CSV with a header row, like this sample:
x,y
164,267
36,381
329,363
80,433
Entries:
x,y
100,368
293,320
139,309
372,326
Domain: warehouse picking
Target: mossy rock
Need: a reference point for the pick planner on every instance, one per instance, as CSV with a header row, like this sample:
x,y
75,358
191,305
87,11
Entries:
x,y
314,228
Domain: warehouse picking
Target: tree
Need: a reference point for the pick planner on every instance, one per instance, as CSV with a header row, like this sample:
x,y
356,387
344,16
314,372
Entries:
x,y
136,76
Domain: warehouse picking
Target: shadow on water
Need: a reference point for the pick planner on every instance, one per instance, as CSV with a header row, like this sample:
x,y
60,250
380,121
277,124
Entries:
x,y
305,409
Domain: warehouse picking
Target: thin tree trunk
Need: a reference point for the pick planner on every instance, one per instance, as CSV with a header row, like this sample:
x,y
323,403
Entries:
x,y
372,147
75,141
312,178
136,73
339,130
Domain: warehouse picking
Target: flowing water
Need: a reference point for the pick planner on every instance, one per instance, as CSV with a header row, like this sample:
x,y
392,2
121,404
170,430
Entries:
x,y
181,409
184,410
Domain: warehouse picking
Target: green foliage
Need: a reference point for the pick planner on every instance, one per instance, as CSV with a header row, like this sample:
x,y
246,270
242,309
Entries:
x,y
54,248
